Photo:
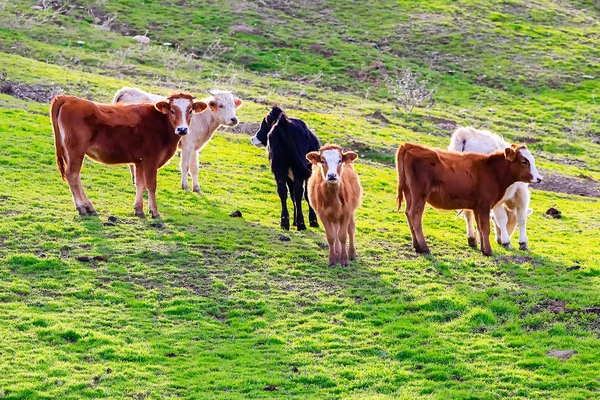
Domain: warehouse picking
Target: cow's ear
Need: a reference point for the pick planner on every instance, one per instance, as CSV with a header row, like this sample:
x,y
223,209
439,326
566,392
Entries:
x,y
349,156
510,153
314,157
163,107
199,106
237,102
213,105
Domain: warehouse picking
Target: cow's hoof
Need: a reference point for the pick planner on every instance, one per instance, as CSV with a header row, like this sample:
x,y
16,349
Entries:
x,y
422,250
139,212
196,189
155,214
507,246
184,187
486,253
82,211
285,226
314,224
91,210
352,255
523,246
301,227
332,264
472,242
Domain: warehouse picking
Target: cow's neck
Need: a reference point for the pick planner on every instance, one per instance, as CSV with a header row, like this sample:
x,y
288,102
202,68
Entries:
x,y
212,123
501,167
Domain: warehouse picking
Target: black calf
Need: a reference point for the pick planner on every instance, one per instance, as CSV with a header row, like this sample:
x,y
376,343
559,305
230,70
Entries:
x,y
288,140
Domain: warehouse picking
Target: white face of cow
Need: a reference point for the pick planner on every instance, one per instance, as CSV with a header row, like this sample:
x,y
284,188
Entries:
x,y
223,106
179,109
536,177
332,160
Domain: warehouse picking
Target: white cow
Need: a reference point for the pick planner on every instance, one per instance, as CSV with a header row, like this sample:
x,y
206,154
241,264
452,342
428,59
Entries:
x,y
221,111
514,206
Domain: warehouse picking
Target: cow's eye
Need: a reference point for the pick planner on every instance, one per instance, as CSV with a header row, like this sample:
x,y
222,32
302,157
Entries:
x,y
525,162
172,112
221,106
340,161
190,112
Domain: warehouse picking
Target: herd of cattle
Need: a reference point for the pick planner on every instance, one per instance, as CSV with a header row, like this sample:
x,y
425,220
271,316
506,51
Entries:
x,y
479,174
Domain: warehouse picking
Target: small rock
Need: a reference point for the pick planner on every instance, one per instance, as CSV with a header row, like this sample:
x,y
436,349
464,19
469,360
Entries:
x,y
42,255
108,370
37,7
236,214
112,218
294,369
561,354
109,224
493,111
554,213
270,388
80,42
84,258
59,383
323,245
574,268
143,39
167,44
303,93
284,238
588,77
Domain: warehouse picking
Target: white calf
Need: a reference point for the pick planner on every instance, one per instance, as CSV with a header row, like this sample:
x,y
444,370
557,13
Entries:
x,y
514,206
221,111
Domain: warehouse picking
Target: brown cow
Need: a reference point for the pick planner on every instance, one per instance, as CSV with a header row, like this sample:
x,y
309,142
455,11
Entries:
x,y
454,181
335,193
145,135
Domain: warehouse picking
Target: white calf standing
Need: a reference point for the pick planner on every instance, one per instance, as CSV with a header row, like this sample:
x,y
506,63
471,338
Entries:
x,y
221,111
514,206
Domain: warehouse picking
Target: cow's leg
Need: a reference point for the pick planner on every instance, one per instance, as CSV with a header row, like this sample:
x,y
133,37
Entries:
x,y
73,174
150,173
501,220
186,156
312,216
522,222
342,235
414,210
290,185
132,173
351,230
470,220
298,194
194,171
282,191
140,185
407,213
483,224
331,233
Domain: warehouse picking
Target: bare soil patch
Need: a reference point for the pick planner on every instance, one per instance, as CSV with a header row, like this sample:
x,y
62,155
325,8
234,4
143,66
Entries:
x,y
247,128
38,93
554,182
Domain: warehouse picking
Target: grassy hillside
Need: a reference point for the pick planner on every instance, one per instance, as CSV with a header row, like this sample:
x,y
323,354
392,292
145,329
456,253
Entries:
x,y
202,305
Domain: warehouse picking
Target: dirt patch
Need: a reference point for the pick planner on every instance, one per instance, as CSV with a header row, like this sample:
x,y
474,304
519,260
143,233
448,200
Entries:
x,y
516,259
243,28
38,93
247,128
553,306
554,182
318,48
377,114
526,140
561,354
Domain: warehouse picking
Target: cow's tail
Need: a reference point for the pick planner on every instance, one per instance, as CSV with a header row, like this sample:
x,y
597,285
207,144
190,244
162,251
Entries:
x,y
458,140
61,160
401,178
119,95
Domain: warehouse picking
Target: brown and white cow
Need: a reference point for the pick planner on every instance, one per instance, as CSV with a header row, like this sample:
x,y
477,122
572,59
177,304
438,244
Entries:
x,y
335,193
454,181
145,135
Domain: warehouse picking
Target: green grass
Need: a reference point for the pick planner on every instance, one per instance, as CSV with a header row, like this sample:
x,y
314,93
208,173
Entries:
x,y
209,306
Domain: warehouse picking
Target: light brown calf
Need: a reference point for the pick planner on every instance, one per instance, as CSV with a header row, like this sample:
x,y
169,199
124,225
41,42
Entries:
x,y
335,193
145,135
454,181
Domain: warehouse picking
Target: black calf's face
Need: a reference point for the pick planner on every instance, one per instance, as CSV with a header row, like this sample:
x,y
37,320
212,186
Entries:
x,y
260,138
